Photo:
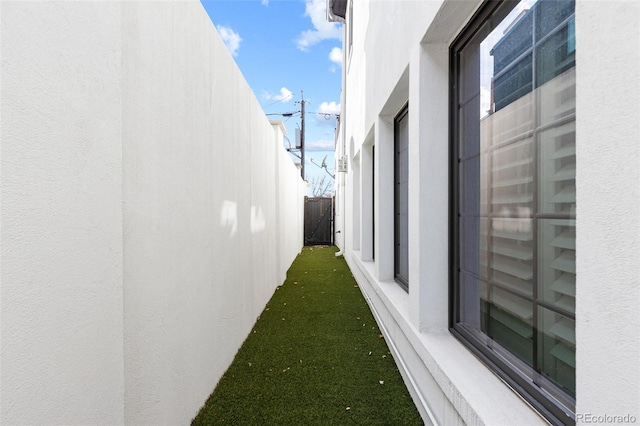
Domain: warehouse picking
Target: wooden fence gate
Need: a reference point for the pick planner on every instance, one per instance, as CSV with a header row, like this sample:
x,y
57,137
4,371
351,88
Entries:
x,y
318,221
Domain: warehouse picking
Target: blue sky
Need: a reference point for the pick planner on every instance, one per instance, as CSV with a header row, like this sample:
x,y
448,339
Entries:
x,y
283,47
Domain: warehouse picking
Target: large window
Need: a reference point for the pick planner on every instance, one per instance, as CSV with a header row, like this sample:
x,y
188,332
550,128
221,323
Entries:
x,y
513,165
401,216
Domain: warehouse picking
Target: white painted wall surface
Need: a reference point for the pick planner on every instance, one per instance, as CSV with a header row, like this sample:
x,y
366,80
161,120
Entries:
x,y
608,203
61,288
148,212
401,53
289,201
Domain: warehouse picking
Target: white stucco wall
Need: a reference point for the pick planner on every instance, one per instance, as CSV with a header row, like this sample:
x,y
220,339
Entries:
x,y
608,203
401,53
61,289
148,212
289,202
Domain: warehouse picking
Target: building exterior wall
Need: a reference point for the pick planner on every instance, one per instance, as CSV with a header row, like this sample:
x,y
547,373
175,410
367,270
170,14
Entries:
x,y
400,53
149,210
608,191
61,295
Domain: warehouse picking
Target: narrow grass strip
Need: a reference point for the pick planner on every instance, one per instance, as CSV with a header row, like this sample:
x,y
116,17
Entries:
x,y
315,356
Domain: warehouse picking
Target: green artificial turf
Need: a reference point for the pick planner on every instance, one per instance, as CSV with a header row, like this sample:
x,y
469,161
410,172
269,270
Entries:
x,y
315,356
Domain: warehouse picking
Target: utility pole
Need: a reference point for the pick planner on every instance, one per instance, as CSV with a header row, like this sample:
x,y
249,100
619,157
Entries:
x,y
302,133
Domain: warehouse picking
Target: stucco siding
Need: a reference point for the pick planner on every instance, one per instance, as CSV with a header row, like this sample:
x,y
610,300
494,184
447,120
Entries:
x,y
149,210
400,54
608,197
61,249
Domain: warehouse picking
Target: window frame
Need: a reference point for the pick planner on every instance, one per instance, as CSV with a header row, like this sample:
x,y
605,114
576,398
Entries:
x,y
403,114
539,399
373,202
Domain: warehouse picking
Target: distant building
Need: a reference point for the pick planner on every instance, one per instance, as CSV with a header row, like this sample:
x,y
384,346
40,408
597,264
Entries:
x,y
546,31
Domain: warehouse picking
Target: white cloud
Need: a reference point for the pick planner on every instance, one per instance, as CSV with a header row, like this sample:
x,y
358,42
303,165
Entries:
x,y
322,28
320,145
335,56
285,95
231,39
326,114
265,2
329,108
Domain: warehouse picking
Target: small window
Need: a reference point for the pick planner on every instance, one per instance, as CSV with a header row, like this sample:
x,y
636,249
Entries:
x,y
401,203
373,202
513,197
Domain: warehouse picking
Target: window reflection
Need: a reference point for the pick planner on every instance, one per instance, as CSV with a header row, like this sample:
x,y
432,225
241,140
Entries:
x,y
517,190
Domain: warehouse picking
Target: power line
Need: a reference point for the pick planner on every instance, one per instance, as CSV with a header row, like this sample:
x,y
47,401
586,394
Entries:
x,y
327,115
302,129
288,98
284,114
